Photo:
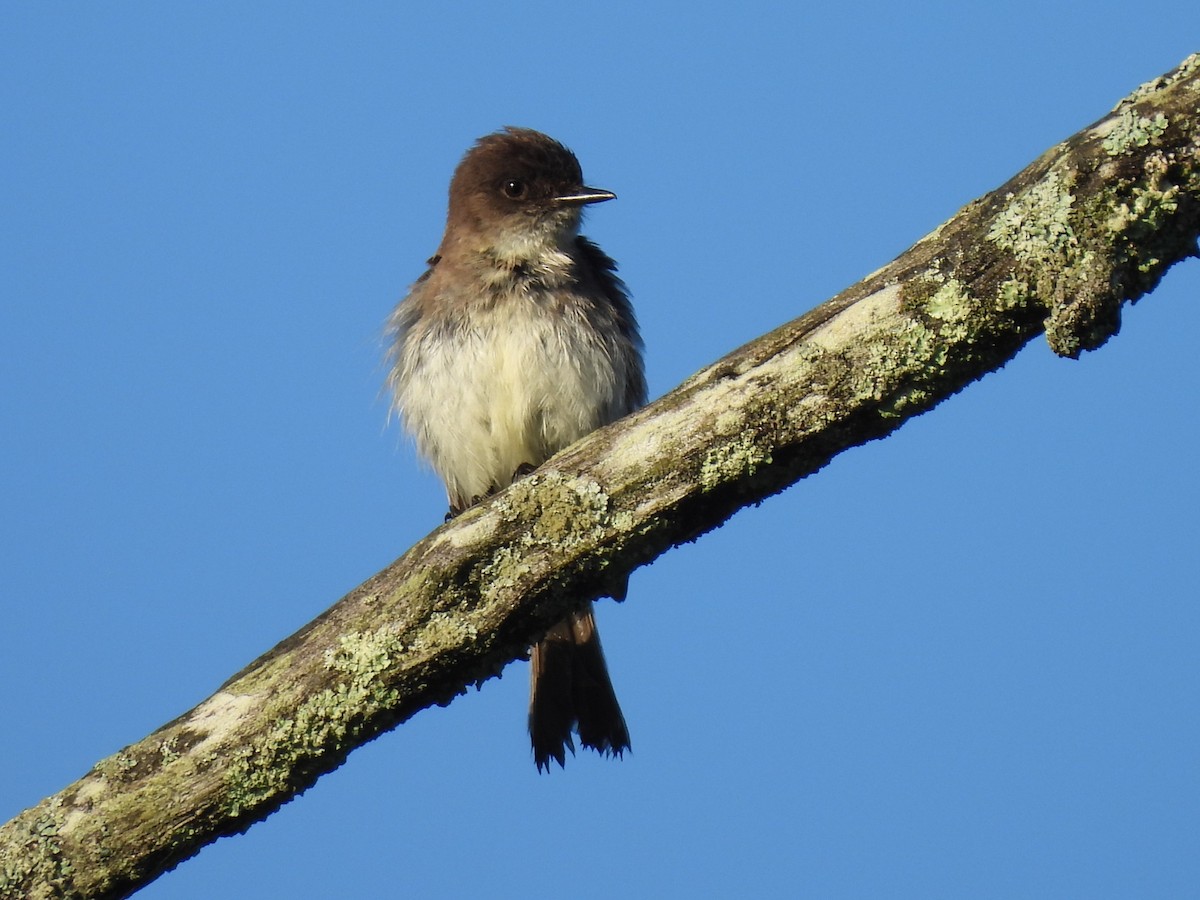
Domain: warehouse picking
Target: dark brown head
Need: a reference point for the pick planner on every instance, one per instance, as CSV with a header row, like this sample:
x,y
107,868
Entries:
x,y
517,193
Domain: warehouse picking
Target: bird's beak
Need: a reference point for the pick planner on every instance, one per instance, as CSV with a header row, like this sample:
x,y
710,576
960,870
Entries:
x,y
584,196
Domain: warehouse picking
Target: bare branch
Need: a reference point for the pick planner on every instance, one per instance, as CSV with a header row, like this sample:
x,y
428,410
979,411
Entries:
x,y
1093,223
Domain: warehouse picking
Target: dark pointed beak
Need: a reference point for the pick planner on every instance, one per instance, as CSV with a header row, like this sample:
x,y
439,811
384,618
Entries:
x,y
584,196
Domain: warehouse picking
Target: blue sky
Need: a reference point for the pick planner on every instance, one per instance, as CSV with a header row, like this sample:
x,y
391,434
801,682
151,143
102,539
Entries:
x,y
957,662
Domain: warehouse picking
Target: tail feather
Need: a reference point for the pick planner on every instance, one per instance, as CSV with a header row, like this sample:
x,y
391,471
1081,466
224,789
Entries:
x,y
570,689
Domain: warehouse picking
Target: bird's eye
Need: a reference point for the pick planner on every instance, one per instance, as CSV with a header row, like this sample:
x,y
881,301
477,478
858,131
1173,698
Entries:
x,y
514,189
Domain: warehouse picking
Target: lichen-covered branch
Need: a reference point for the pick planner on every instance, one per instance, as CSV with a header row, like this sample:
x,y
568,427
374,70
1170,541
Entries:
x,y
1092,224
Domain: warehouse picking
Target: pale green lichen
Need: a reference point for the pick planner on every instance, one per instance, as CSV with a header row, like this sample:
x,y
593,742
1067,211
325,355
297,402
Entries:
x,y
444,629
1185,70
562,512
948,303
328,719
934,300
726,461
916,292
1036,226
1130,131
913,348
365,666
1013,294
1145,212
125,761
562,509
507,568
40,859
331,717
363,654
898,406
168,751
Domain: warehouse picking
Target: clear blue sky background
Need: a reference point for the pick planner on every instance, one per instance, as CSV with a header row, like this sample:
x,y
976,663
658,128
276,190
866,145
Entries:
x,y
958,662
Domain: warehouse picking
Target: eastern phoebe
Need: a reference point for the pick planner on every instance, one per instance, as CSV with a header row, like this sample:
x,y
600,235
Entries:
x,y
518,340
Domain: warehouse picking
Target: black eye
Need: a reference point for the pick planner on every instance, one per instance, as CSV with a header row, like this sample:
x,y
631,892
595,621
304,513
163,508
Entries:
x,y
514,189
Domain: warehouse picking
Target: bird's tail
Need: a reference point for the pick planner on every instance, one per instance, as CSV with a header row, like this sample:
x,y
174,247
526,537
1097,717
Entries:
x,y
570,690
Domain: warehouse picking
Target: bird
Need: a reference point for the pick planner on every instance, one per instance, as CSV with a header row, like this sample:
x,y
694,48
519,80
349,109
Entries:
x,y
519,339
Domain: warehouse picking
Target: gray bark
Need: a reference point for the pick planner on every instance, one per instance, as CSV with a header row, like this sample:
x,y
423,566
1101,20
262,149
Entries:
x,y
1092,224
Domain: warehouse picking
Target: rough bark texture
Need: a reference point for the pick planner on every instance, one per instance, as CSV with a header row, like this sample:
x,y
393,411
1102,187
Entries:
x,y
1093,223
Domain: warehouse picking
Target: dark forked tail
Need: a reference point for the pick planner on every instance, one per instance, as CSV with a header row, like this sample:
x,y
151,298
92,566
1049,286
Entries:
x,y
570,690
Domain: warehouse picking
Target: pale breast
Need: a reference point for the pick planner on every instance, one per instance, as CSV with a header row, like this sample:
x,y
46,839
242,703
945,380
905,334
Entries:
x,y
506,385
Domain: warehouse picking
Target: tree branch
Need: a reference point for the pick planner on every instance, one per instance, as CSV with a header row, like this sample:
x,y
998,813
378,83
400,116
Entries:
x,y
1094,222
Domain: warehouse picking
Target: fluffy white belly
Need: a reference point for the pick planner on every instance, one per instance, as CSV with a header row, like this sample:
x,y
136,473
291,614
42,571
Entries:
x,y
484,399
